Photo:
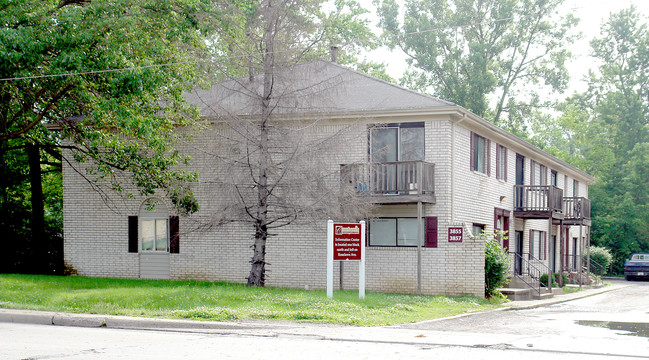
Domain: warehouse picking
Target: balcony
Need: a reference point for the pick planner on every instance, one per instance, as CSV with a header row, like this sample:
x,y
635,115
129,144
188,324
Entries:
x,y
401,182
538,202
576,211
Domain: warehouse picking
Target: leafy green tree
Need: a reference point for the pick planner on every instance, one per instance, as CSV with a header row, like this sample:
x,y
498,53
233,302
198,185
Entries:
x,y
619,93
487,56
604,132
60,67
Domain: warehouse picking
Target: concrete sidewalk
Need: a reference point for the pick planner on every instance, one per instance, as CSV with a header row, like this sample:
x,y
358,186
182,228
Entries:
x,y
127,322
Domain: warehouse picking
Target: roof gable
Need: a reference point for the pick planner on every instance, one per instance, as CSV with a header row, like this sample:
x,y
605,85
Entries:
x,y
315,87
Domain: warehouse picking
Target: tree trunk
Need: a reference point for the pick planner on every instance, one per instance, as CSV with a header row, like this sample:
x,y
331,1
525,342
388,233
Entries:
x,y
257,275
38,241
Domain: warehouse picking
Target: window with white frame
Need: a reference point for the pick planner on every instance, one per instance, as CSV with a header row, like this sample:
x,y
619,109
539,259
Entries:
x,y
155,234
575,188
479,154
154,227
393,232
501,162
553,178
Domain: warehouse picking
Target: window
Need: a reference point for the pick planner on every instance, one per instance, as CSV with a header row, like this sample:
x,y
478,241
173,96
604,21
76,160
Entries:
x,y
537,245
402,232
477,229
575,188
480,154
553,178
543,174
154,234
393,232
501,162
153,230
397,142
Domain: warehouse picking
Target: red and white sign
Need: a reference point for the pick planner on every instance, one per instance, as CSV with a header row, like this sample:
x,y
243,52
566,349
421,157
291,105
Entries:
x,y
347,242
455,234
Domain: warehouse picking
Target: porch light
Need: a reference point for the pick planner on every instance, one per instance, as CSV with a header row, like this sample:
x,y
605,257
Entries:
x,y
503,198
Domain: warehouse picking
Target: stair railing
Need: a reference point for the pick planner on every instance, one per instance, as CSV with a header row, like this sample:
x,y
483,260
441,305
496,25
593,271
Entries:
x,y
530,268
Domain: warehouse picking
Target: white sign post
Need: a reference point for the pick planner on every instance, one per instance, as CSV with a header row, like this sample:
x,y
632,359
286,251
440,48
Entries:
x,y
345,242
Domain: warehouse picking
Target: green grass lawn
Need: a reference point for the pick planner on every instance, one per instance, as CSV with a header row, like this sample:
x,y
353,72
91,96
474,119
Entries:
x,y
201,300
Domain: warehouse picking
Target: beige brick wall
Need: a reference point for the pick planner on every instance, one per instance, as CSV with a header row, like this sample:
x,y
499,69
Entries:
x,y
96,236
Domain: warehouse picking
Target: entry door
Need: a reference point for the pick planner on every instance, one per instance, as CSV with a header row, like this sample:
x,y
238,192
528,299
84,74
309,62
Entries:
x,y
518,263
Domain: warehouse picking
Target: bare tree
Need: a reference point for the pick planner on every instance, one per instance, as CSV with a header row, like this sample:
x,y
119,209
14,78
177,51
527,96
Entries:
x,y
273,138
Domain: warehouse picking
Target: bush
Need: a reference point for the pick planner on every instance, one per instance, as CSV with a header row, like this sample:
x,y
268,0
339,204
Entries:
x,y
496,267
555,283
601,259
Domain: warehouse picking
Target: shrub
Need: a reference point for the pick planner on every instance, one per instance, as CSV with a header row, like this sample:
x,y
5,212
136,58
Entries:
x,y
496,267
544,279
601,259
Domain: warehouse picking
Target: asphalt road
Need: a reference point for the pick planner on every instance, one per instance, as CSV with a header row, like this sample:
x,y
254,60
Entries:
x,y
586,328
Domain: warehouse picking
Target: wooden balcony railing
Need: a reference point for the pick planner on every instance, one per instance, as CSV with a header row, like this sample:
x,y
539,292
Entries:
x,y
576,208
402,178
537,200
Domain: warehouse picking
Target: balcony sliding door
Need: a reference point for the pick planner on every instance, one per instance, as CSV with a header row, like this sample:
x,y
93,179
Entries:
x,y
389,146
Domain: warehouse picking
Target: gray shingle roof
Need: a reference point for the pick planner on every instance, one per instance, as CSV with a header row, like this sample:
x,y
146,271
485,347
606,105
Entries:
x,y
315,87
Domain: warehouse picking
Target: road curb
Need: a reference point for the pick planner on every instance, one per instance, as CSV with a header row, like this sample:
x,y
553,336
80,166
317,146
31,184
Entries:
x,y
26,317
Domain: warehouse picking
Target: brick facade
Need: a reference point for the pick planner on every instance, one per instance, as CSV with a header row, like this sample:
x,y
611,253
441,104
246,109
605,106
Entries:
x,y
96,225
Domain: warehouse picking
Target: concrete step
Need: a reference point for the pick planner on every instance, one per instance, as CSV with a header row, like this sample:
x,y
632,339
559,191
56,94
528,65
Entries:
x,y
543,296
519,283
514,294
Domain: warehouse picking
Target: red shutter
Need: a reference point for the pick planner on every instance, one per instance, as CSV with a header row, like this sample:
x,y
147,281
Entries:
x,y
531,172
544,255
132,234
488,156
431,232
472,157
174,234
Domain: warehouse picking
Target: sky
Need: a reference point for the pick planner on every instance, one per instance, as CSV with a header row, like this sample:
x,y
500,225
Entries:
x,y
590,12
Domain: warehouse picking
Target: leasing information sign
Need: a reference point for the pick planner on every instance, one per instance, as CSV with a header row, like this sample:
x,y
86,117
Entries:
x,y
346,242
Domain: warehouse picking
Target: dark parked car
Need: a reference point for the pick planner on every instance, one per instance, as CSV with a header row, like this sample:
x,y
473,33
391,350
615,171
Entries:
x,y
637,266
